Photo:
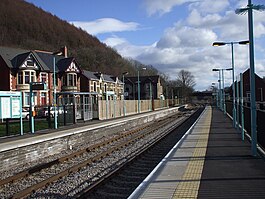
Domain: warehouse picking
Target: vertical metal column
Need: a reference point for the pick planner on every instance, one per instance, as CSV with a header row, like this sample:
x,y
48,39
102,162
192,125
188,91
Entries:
x,y
233,78
237,103
242,107
252,82
220,90
224,106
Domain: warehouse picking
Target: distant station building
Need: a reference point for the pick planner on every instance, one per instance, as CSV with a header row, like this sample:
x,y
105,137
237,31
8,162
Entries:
x,y
150,86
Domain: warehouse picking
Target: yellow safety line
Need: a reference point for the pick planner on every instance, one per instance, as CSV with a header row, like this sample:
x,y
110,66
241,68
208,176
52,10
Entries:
x,y
190,181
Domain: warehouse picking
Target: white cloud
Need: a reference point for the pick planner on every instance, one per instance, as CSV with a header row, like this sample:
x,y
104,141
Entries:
x,y
188,43
210,6
106,25
195,19
185,36
162,6
125,48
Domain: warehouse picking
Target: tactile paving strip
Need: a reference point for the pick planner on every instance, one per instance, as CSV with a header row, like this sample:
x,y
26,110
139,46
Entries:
x,y
188,186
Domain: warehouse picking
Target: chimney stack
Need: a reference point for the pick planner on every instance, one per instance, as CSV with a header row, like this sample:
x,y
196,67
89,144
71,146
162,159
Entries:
x,y
64,51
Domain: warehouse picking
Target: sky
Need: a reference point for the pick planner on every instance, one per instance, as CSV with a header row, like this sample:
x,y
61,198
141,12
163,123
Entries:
x,y
171,35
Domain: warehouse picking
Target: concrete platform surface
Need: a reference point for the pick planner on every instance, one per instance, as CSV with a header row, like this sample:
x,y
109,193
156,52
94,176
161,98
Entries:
x,y
211,161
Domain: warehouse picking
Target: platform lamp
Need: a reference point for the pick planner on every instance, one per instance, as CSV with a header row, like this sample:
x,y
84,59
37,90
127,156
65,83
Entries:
x,y
233,71
222,98
249,9
54,87
124,107
220,89
216,93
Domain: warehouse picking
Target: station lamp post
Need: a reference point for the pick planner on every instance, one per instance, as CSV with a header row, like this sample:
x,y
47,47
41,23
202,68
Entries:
x,y
216,93
54,87
220,88
124,107
233,71
249,9
139,90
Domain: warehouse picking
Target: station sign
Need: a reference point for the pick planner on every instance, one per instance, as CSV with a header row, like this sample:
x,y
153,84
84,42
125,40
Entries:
x,y
38,86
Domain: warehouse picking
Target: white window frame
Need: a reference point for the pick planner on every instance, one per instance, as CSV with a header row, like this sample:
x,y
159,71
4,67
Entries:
x,y
66,79
31,77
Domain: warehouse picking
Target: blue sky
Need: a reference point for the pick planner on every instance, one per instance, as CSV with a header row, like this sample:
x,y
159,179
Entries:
x,y
171,35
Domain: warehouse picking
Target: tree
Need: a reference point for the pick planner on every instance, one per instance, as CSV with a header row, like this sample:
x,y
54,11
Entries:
x,y
185,83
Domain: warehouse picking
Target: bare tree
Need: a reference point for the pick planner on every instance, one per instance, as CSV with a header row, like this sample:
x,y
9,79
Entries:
x,y
185,83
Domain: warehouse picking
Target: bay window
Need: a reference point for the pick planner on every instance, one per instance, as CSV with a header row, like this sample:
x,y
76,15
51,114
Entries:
x,y
70,79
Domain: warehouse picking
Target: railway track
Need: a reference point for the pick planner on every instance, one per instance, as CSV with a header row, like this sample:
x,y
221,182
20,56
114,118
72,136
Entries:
x,y
122,182
40,177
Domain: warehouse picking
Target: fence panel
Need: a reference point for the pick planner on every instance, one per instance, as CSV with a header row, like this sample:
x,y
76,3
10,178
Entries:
x,y
261,128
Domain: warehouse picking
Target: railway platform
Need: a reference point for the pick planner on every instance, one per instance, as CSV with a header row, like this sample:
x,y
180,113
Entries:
x,y
210,161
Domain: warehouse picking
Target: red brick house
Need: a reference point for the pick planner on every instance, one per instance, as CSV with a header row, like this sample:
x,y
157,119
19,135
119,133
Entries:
x,y
259,88
19,67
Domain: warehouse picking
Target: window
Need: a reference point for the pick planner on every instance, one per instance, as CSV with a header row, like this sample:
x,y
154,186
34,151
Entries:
x,y
30,61
95,86
20,78
65,80
43,77
43,99
25,77
70,79
32,76
248,96
26,99
105,87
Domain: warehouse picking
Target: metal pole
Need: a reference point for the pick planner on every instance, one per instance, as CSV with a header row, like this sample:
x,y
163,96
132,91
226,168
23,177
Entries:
x,y
237,104
124,107
54,94
30,111
21,121
150,88
138,92
217,96
224,91
220,91
242,107
107,106
252,82
233,78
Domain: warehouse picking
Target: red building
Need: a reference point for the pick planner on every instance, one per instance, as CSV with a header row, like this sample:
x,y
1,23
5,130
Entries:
x,y
19,67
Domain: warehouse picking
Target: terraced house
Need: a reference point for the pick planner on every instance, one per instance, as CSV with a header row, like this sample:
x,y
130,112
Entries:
x,y
20,67
102,84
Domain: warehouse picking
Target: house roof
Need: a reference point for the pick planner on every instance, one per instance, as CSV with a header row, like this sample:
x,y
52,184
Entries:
x,y
96,76
48,59
15,57
90,75
109,78
63,64
9,55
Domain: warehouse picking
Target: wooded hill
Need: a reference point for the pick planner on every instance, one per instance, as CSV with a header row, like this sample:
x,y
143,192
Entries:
x,y
23,25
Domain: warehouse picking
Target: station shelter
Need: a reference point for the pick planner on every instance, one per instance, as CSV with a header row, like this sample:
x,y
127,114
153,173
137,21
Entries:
x,y
83,106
